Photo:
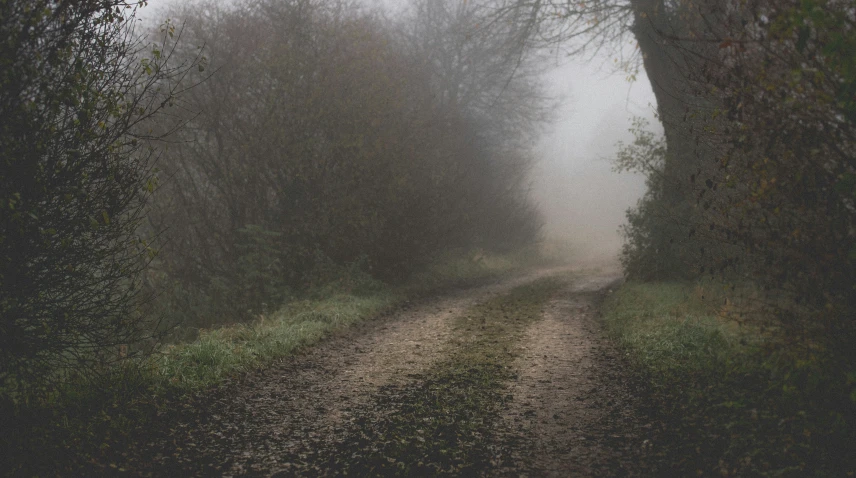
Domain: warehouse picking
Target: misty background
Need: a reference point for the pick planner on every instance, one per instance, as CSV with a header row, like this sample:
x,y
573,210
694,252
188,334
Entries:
x,y
583,200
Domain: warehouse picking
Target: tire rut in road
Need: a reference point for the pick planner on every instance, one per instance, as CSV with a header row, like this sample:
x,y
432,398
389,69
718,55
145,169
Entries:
x,y
572,401
441,422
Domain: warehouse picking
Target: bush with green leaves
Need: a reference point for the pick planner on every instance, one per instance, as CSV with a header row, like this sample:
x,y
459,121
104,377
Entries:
x,y
777,193
76,85
767,190
656,246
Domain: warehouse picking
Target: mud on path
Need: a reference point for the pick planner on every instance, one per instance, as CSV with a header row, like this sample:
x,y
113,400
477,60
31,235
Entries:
x,y
506,379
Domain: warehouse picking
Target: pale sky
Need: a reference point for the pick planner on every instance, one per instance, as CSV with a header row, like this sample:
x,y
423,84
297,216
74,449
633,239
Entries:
x,y
582,198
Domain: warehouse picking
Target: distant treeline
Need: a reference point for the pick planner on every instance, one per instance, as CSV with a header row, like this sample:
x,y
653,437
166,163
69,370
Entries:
x,y
239,154
326,136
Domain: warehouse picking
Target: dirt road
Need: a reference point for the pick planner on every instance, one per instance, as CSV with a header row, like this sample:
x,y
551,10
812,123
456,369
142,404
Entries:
x,y
513,378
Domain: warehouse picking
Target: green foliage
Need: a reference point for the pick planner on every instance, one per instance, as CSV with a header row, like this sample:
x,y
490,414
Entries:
x,y
669,330
74,177
780,199
655,234
757,179
230,350
822,26
91,411
350,296
90,414
646,155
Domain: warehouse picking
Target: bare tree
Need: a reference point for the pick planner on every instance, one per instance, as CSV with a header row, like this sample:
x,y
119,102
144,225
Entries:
x,y
322,139
485,82
482,68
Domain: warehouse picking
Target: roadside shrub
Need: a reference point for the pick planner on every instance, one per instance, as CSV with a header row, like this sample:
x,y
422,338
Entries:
x,y
76,84
766,190
656,243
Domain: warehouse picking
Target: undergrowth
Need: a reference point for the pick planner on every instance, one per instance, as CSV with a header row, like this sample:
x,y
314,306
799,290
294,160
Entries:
x,y
228,350
732,401
221,352
456,269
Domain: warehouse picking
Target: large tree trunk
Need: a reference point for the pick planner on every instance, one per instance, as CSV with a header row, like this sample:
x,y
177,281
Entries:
x,y
666,63
665,66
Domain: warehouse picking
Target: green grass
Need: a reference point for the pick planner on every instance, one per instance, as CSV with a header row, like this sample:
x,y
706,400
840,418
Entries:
x,y
225,351
670,330
80,426
731,400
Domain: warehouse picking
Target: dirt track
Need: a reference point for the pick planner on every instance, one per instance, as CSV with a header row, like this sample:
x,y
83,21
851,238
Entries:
x,y
572,399
567,409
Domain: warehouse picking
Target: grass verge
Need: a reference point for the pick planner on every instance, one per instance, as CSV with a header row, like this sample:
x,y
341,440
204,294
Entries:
x,y
222,352
731,401
225,351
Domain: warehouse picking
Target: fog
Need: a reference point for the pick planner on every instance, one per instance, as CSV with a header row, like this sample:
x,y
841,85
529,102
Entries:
x,y
388,237
583,200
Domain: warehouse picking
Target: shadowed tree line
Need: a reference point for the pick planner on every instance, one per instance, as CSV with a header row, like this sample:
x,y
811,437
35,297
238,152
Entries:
x,y
145,185
77,85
